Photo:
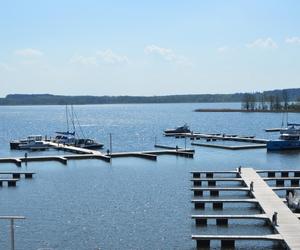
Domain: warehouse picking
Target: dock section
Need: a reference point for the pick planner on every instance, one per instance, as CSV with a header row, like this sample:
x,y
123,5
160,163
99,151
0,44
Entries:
x,y
259,193
218,137
288,223
82,153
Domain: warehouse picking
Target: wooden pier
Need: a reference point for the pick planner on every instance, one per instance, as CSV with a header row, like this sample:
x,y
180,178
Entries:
x,y
81,153
288,225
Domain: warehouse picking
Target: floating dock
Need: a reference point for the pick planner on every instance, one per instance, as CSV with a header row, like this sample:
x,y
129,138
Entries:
x,y
288,225
218,137
93,154
235,147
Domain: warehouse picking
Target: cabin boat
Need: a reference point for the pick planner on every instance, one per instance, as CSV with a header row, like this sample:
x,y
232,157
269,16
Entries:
x,y
182,129
16,144
88,143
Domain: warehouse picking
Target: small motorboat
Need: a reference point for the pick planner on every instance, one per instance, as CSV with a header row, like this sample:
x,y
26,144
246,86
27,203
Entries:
x,y
17,144
182,129
88,143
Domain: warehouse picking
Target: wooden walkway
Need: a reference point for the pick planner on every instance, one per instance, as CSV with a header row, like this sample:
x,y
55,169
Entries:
x,y
82,153
264,196
288,223
235,147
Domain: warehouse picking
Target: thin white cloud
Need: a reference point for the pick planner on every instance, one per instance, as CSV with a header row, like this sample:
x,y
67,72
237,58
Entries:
x,y
29,52
85,60
108,56
102,56
293,40
265,43
223,49
167,54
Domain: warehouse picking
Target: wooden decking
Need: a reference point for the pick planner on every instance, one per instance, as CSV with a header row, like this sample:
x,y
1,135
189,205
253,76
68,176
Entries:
x,y
264,196
288,223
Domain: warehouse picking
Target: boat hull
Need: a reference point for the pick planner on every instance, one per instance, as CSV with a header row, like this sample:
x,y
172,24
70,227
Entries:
x,y
282,145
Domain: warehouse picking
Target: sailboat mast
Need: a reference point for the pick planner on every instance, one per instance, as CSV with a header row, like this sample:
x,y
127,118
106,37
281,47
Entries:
x,y
67,118
73,122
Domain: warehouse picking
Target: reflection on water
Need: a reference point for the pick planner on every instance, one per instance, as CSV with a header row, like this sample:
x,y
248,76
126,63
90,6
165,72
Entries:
x,y
130,203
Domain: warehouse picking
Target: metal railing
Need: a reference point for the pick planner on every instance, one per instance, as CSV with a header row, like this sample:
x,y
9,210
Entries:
x,y
12,228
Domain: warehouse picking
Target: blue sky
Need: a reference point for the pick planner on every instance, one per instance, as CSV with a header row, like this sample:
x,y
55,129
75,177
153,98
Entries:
x,y
148,47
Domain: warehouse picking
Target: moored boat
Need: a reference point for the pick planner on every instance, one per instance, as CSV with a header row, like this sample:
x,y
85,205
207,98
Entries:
x,y
182,129
88,143
17,144
289,139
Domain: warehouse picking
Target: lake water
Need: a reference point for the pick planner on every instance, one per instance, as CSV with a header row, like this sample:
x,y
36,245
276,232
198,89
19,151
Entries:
x,y
130,203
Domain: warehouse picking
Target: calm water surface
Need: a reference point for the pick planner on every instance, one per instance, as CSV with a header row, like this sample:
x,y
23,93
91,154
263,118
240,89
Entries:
x,y
130,203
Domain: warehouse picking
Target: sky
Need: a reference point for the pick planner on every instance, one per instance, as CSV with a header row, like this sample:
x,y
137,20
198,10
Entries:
x,y
127,47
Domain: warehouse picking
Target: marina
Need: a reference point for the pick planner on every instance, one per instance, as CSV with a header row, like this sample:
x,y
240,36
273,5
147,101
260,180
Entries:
x,y
139,163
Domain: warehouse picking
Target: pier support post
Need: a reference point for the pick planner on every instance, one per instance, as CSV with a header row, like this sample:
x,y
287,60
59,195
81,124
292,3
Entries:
x,y
222,222
28,175
200,205
297,174
209,175
218,205
197,183
211,183
201,222
295,183
227,243
214,192
198,193
196,175
284,174
280,183
271,174
16,175
11,183
203,244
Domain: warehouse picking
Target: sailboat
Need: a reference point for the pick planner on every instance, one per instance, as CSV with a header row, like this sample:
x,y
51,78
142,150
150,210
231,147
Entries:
x,y
69,137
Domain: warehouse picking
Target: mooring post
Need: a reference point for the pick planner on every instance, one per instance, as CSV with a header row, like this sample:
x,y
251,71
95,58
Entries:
x,y
12,234
26,158
110,142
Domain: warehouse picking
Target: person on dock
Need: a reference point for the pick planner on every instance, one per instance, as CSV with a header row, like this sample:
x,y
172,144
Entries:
x,y
240,169
274,219
252,186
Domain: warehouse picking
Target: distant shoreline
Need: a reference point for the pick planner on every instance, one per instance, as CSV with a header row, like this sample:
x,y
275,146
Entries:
x,y
245,111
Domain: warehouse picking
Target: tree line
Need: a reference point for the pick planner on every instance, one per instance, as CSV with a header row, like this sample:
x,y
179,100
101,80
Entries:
x,y
277,101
